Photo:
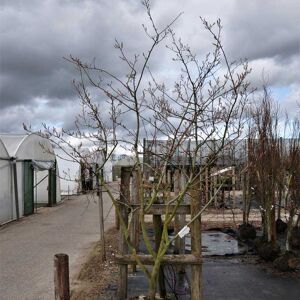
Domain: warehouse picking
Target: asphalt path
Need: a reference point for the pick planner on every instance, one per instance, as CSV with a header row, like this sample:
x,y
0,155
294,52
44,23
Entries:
x,y
27,247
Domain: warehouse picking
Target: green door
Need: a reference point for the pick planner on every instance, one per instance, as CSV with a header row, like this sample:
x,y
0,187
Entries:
x,y
28,188
52,186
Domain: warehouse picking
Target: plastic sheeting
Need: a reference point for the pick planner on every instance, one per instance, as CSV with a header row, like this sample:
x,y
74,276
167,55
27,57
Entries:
x,y
39,165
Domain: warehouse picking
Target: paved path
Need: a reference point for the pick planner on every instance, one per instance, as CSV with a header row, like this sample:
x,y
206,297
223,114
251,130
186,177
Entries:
x,y
228,279
27,247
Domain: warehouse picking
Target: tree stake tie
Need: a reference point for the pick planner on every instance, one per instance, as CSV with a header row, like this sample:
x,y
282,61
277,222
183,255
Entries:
x,y
184,231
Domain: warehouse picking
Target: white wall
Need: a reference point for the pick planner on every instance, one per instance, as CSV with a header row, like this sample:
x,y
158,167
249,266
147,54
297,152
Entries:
x,y
108,171
69,173
6,203
7,192
41,190
26,148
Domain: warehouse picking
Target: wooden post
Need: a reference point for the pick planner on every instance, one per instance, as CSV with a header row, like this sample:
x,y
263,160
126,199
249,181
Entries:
x,y
61,277
117,220
177,217
206,185
182,216
196,278
158,225
101,217
123,247
215,188
169,183
233,188
244,197
135,227
165,184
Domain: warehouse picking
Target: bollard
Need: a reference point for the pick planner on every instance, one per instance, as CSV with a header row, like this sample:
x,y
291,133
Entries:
x,y
61,277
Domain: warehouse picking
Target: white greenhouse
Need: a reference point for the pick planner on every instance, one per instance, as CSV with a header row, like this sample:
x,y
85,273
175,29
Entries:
x,y
77,177
28,173
69,172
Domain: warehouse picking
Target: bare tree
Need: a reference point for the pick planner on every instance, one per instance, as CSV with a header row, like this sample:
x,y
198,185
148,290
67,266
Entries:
x,y
292,178
203,108
263,151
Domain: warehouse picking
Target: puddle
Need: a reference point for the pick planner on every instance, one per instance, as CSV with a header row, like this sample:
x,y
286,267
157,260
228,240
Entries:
x,y
216,243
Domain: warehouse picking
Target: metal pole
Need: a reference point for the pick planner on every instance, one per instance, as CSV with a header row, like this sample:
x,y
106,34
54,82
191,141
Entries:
x,y
14,165
35,177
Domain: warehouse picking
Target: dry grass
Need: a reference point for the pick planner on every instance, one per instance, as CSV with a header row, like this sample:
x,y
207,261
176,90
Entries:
x,y
96,276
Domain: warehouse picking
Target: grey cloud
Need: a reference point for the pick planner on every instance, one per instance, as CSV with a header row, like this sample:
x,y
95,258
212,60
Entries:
x,y
33,47
36,35
261,29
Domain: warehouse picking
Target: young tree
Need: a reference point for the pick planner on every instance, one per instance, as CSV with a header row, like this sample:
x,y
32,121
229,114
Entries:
x,y
263,152
292,178
202,108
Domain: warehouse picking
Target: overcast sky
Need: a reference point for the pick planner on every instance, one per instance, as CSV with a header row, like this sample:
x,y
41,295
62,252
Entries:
x,y
35,80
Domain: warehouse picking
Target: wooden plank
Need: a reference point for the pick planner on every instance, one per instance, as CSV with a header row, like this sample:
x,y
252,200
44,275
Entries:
x,y
146,259
160,209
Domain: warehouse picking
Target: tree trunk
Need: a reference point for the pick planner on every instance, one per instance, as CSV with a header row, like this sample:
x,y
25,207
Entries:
x,y
289,230
152,290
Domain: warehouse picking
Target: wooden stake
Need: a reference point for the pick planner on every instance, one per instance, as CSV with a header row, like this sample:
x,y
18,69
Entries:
x,y
215,188
61,277
101,219
117,220
196,279
233,188
176,219
179,219
244,197
123,247
158,225
206,185
135,227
